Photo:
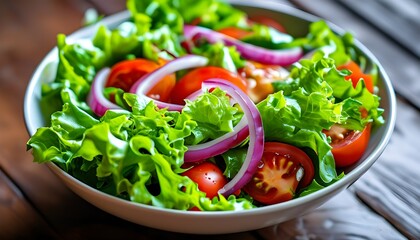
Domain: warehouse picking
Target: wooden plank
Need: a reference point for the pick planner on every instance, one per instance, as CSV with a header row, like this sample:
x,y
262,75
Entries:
x,y
392,186
343,217
17,217
404,77
396,200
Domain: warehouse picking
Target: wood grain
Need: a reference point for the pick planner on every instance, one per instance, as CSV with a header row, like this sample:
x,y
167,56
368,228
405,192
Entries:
x,y
392,186
23,221
402,68
343,217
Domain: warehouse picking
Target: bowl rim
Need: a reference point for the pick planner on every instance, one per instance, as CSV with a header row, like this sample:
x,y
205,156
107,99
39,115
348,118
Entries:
x,y
347,180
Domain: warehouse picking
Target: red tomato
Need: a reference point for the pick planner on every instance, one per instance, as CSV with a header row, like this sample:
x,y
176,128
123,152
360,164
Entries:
x,y
357,74
125,73
348,146
191,82
208,176
279,173
234,32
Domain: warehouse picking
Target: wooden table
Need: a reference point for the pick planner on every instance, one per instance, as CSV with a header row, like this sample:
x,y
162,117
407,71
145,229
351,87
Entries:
x,y
383,204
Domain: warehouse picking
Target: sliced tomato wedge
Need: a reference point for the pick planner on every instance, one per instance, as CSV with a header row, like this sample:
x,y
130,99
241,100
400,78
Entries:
x,y
282,170
125,73
348,146
235,32
191,82
357,74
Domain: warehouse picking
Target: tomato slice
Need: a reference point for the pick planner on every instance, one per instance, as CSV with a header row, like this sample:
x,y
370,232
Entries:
x,y
191,82
348,146
208,176
283,168
125,73
235,32
357,74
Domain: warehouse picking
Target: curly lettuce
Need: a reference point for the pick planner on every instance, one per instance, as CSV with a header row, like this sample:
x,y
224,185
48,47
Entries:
x,y
135,155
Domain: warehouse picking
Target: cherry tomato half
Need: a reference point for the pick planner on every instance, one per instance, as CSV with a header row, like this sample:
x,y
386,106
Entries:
x,y
235,32
191,82
348,146
208,176
357,74
125,73
283,168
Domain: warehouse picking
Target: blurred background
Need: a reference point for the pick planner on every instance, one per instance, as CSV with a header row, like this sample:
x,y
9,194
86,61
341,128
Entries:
x,y
382,204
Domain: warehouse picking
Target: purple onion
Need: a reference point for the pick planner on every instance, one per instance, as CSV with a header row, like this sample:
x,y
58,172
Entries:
x,y
282,57
142,86
96,99
256,135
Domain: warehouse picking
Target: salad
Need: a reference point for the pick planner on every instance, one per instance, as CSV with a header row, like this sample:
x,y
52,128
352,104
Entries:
x,y
194,105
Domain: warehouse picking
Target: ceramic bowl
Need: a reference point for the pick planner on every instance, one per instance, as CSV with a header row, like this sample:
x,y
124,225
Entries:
x,y
296,23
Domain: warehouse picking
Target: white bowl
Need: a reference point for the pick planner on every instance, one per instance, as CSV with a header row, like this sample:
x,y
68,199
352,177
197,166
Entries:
x,y
216,222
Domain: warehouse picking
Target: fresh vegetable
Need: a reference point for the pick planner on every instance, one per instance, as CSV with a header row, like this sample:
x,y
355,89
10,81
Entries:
x,y
208,177
125,73
152,80
256,135
248,51
191,82
357,75
281,170
132,107
234,32
348,146
96,99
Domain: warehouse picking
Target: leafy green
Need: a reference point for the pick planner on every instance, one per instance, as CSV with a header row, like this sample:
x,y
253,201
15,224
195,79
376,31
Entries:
x,y
268,37
136,155
213,14
220,55
214,116
160,14
289,120
76,68
234,159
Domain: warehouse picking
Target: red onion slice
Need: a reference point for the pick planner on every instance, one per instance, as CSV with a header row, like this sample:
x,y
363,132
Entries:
x,y
256,135
142,86
282,57
219,145
96,99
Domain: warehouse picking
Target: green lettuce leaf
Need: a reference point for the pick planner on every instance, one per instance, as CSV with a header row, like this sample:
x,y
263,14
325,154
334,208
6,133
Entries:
x,y
214,116
220,55
135,155
267,37
289,120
